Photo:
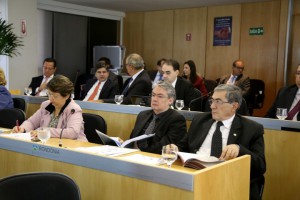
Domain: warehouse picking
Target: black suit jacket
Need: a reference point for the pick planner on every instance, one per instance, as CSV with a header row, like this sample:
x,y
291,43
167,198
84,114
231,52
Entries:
x,y
170,129
242,81
35,83
284,99
185,91
109,90
141,85
244,132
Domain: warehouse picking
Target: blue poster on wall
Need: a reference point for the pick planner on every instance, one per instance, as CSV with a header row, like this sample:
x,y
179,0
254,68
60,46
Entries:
x,y
222,31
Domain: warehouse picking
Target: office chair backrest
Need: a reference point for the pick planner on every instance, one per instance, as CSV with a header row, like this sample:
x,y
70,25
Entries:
x,y
256,93
40,185
19,103
92,122
9,116
210,85
197,102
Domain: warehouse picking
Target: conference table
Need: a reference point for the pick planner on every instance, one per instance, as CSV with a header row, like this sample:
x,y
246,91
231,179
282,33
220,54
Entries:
x,y
104,176
282,141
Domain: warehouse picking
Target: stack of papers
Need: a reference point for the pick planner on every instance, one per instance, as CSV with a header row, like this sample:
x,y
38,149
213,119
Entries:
x,y
22,136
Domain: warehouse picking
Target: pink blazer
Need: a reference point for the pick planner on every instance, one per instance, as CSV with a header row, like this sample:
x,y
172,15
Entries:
x,y
71,120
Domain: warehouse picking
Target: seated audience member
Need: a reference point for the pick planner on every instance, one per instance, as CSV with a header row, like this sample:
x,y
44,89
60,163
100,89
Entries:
x,y
139,82
288,97
189,73
168,125
238,78
184,89
156,75
5,97
60,113
39,83
227,135
100,88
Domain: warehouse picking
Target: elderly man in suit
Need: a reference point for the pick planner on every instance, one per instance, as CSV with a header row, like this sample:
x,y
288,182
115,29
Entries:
x,y
168,125
238,78
227,135
184,89
288,97
39,83
101,88
139,82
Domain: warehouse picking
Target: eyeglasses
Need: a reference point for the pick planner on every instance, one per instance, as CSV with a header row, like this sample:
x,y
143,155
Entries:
x,y
55,96
48,68
239,68
217,101
160,96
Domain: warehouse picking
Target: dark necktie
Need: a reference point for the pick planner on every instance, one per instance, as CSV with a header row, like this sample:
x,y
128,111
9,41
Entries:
x,y
160,77
216,143
143,143
127,87
293,112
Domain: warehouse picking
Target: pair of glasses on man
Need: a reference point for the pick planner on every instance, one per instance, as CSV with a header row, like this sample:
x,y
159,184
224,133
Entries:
x,y
217,101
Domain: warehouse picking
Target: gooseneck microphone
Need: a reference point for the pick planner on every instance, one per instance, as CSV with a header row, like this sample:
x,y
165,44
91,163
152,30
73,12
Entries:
x,y
61,132
198,98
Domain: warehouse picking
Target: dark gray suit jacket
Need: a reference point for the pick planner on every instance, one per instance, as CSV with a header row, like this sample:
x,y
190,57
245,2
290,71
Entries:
x,y
170,129
242,81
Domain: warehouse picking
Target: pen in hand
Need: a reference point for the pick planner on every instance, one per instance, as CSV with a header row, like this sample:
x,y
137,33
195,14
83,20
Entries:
x,y
17,124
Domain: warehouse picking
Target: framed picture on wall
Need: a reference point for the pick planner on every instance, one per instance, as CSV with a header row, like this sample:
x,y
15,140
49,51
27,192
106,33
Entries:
x,y
222,31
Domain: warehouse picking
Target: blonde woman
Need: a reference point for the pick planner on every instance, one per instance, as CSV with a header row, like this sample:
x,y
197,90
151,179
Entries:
x,y
5,97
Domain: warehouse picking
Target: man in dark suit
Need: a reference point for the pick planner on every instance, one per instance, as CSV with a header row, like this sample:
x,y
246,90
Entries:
x,y
288,97
100,88
157,75
238,135
38,84
238,78
184,89
169,126
139,82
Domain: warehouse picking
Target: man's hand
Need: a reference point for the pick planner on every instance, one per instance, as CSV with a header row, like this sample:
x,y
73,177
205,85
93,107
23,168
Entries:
x,y
229,152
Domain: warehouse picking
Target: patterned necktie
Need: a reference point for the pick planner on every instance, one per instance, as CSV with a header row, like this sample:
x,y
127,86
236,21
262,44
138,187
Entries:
x,y
94,92
216,143
143,143
293,112
127,87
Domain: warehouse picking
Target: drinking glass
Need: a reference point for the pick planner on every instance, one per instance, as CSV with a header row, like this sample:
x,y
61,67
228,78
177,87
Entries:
x,y
281,113
28,91
119,99
43,134
179,104
169,154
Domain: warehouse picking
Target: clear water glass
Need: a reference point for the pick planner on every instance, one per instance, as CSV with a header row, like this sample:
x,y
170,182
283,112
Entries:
x,y
28,91
281,113
179,104
43,134
169,154
119,99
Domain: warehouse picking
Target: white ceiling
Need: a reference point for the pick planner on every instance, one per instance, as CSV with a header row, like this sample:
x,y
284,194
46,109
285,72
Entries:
x,y
151,5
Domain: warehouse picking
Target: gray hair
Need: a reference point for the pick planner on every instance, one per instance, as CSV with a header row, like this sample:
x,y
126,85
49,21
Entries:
x,y
233,93
167,87
135,60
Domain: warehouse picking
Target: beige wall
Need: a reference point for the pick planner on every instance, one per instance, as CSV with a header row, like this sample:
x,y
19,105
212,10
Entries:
x,y
23,67
163,35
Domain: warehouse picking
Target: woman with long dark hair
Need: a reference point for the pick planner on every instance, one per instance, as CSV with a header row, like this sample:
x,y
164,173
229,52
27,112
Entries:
x,y
189,73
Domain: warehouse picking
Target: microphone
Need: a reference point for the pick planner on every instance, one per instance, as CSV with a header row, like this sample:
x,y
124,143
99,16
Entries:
x,y
198,98
60,136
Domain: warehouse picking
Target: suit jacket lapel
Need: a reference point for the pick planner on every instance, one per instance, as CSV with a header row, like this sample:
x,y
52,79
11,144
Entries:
x,y
235,131
142,123
204,129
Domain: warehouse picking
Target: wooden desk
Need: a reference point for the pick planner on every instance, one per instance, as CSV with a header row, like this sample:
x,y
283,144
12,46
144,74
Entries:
x,y
101,177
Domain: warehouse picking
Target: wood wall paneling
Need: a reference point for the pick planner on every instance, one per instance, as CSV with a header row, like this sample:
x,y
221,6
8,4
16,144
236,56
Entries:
x,y
295,49
219,58
158,37
260,51
190,21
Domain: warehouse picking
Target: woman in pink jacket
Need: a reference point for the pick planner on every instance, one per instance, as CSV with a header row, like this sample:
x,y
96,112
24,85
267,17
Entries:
x,y
60,113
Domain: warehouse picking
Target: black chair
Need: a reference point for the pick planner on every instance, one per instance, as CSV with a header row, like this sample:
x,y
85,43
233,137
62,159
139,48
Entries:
x,y
9,117
19,103
197,103
210,85
40,185
92,122
256,95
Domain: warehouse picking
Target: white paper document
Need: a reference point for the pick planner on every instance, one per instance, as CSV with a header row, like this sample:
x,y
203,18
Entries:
x,y
144,159
106,150
22,136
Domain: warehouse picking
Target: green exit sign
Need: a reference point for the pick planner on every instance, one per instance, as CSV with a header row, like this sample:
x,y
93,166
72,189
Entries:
x,y
256,31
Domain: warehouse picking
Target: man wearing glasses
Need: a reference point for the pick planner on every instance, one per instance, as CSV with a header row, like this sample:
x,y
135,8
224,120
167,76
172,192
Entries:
x,y
237,78
288,97
39,83
227,135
